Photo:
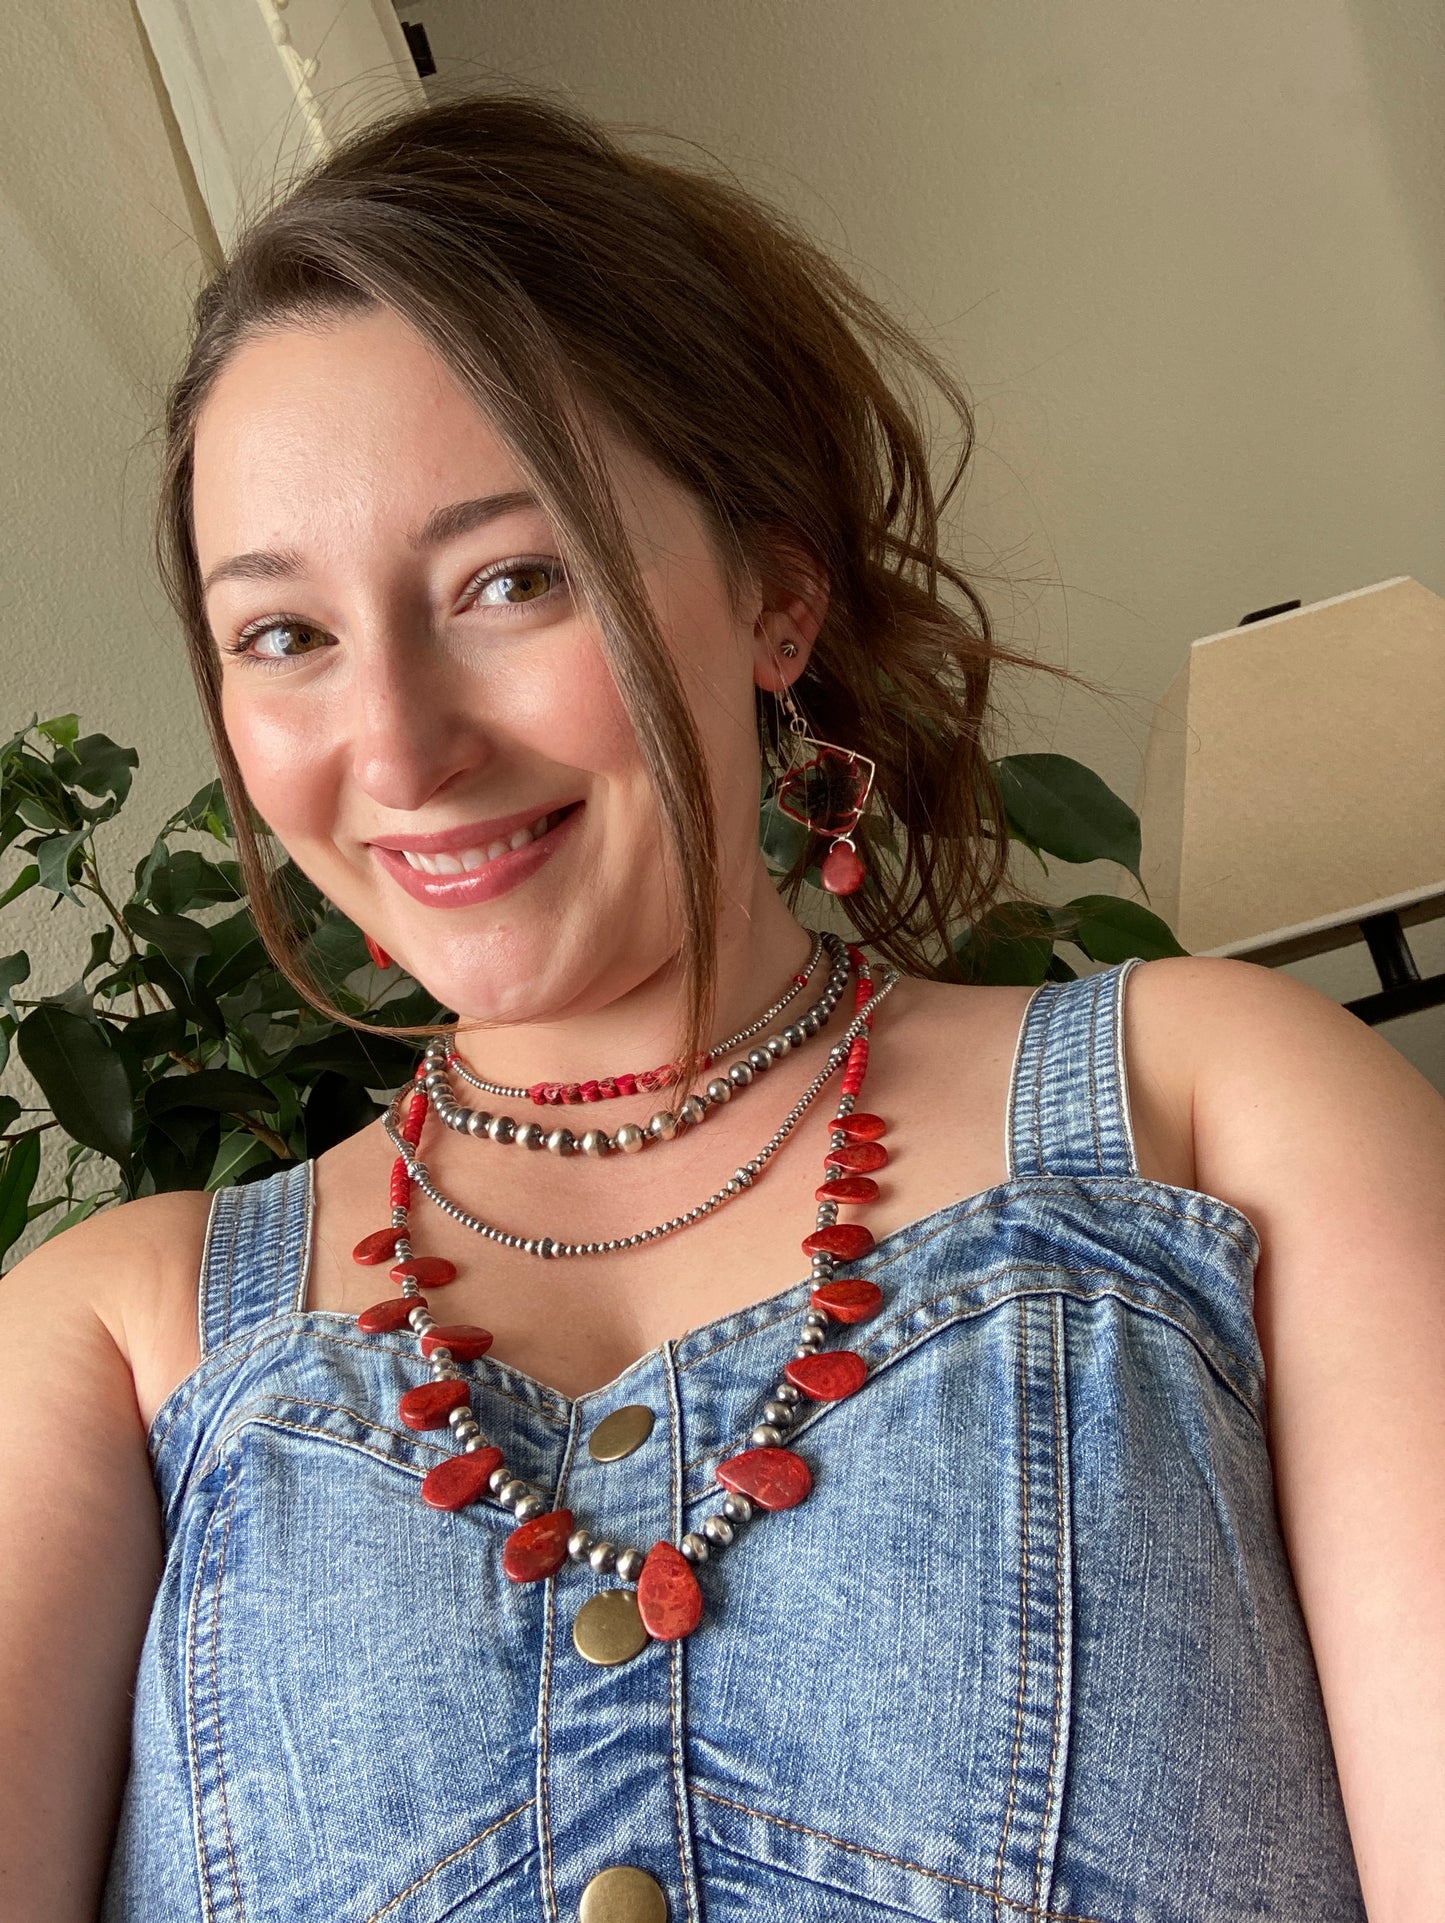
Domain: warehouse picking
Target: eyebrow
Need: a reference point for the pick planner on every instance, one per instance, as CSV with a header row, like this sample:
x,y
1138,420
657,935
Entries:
x,y
442,524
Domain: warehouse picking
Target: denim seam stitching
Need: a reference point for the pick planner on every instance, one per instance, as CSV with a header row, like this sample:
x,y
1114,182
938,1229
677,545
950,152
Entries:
x,y
1092,1044
899,1862
1121,1066
490,1830
1056,1336
544,1692
1025,1546
203,1293
255,1412
303,1261
1011,1110
216,1705
1040,1063
198,1824
278,1273
674,1690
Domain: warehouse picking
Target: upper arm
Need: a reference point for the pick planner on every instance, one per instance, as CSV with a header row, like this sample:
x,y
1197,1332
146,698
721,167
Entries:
x,y
80,1525
1334,1147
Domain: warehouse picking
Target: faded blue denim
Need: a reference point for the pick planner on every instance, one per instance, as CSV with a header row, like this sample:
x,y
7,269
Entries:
x,y
1031,1650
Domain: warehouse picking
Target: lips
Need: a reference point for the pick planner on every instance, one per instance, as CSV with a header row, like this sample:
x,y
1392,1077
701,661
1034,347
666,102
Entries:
x,y
460,867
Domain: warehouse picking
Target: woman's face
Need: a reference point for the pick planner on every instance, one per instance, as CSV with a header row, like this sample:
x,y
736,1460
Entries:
x,y
420,710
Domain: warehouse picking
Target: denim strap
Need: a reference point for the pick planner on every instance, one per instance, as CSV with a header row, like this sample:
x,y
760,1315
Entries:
x,y
1069,1101
258,1250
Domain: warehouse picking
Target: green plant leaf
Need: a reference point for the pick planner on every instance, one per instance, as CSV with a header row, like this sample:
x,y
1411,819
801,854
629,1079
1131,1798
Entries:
x,y
81,1076
784,841
335,1109
217,1089
54,859
183,942
18,1170
22,884
14,969
238,1153
206,810
98,765
373,1061
1058,805
101,943
1012,945
179,1151
78,1213
10,1111
188,880
1110,929
62,729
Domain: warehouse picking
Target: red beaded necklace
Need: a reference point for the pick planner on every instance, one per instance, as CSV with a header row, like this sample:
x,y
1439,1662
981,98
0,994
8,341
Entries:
x,y
766,1476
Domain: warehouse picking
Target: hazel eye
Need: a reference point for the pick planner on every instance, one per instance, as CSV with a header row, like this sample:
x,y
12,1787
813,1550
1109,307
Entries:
x,y
518,584
280,640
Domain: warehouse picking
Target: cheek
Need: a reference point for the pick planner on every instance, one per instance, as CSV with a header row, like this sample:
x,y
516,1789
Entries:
x,y
280,752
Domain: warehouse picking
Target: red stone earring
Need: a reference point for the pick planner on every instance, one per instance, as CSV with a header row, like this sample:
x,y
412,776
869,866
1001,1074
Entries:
x,y
827,789
378,954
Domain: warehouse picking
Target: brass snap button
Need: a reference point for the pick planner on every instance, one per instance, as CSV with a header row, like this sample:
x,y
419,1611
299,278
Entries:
x,y
623,1895
608,1629
620,1433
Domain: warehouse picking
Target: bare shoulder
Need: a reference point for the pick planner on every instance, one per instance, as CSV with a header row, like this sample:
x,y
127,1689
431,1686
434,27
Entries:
x,y
126,1279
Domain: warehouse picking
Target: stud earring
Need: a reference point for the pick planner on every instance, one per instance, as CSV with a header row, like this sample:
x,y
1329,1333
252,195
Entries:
x,y
827,792
378,954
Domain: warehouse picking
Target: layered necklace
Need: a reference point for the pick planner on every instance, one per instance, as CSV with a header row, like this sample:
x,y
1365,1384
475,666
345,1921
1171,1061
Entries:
x,y
660,1598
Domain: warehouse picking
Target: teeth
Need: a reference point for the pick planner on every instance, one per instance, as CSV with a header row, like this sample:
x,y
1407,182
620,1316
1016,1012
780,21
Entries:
x,y
466,860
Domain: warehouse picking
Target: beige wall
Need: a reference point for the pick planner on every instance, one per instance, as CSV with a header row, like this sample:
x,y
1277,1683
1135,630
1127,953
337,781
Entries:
x,y
1190,261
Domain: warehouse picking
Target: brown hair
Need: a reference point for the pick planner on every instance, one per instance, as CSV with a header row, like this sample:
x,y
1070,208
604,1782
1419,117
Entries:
x,y
565,279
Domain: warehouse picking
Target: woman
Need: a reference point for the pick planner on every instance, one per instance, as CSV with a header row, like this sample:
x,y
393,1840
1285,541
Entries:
x,y
521,494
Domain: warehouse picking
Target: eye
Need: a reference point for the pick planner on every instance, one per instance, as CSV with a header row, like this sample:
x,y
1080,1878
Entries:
x,y
517,584
278,638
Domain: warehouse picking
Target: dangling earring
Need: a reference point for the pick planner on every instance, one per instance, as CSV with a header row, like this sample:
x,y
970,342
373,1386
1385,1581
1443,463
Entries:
x,y
378,954
827,792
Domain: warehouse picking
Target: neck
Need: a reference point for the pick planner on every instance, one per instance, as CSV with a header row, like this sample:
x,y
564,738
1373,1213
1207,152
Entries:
x,y
760,948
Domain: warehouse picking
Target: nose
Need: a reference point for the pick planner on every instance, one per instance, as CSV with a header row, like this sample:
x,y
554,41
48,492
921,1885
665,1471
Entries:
x,y
412,730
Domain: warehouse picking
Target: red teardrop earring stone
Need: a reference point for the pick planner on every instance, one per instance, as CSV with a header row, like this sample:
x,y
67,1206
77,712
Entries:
x,y
842,872
378,954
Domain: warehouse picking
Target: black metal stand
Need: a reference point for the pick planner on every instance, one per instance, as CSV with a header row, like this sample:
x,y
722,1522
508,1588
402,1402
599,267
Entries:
x,y
1402,989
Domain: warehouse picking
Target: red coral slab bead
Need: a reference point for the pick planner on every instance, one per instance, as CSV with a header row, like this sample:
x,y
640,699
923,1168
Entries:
x,y
384,1318
669,1600
772,1478
829,1375
431,1271
859,1158
428,1406
848,1188
465,1340
538,1548
379,1246
460,1479
846,1240
862,1128
848,1301
842,872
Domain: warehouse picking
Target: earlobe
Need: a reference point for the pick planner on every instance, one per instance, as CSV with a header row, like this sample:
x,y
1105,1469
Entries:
x,y
794,604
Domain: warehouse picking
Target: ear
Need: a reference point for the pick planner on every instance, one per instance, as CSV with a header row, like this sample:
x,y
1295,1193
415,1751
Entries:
x,y
793,592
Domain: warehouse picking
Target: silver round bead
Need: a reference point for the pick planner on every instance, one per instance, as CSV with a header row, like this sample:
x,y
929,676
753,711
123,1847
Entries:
x,y
629,1138
477,1121
795,1034
629,1564
579,1545
815,1319
692,1110
561,1141
718,1529
663,1125
459,1418
475,1442
719,1090
810,1341
595,1141
759,1059
777,1415
602,1555
528,1135
502,1128
740,1074
765,1436
422,1320
531,1505
498,1479
694,1546
737,1508
789,1393
778,1046
512,1492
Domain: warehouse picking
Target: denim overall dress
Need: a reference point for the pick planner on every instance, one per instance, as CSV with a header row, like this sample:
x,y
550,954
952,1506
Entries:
x,y
1031,1648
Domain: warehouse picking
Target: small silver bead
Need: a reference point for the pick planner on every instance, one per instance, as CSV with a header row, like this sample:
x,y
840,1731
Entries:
x,y
765,1436
531,1505
788,1392
777,1415
422,1320
474,1442
778,1046
477,1121
694,1546
502,1128
718,1529
692,1110
740,1074
457,1418
810,1341
579,1545
719,1090
629,1138
498,1479
827,1214
795,1034
663,1125
530,1135
512,1492
759,1059
561,1141
815,1319
440,1354
737,1508
629,1564
596,1141
602,1555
